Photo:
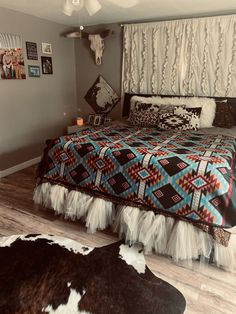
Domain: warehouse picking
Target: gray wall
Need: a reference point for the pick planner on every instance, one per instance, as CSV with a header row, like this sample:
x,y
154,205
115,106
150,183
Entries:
x,y
35,109
87,71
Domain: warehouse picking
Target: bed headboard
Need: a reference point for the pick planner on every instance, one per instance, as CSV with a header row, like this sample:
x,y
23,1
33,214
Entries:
x,y
127,97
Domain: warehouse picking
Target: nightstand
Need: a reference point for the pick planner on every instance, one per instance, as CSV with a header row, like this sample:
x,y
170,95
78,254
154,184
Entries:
x,y
75,128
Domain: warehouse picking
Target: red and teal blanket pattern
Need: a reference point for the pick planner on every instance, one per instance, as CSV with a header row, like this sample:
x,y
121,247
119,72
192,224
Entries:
x,y
187,175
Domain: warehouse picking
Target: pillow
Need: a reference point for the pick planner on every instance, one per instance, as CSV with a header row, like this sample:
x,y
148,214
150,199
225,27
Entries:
x,y
144,118
138,105
101,97
195,114
223,116
208,105
172,121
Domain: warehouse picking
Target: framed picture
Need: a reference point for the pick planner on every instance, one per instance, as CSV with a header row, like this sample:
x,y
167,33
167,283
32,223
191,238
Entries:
x,y
46,65
11,57
98,120
34,70
47,48
91,119
31,49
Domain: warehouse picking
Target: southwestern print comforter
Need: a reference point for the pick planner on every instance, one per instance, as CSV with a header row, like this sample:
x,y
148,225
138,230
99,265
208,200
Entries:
x,y
188,175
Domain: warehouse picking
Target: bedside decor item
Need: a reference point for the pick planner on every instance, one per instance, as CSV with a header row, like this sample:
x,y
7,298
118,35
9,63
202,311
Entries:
x,y
98,119
79,121
101,96
50,274
11,53
34,70
47,48
31,49
46,65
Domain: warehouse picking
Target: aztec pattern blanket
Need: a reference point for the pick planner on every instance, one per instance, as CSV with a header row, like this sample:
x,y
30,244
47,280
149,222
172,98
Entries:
x,y
187,175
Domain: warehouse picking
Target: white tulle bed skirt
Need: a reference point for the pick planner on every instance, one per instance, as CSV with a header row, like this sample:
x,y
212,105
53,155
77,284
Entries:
x,y
163,235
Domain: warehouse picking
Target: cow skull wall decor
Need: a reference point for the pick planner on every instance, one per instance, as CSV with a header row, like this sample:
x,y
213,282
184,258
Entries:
x,y
97,44
96,40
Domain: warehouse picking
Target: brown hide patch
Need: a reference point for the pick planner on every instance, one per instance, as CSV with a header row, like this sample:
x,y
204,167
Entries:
x,y
35,274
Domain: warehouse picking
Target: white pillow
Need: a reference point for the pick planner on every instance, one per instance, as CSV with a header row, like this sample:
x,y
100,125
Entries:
x,y
208,105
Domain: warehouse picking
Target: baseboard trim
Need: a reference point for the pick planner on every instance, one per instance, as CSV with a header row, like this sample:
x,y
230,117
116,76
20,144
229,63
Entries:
x,y
19,167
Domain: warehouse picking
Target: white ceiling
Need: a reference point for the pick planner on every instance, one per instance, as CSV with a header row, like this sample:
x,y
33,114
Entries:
x,y
145,10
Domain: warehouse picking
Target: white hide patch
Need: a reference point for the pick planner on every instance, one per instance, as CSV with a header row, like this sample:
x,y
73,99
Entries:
x,y
70,308
132,257
68,244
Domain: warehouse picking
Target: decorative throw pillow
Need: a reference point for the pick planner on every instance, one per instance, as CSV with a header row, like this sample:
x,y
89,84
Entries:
x,y
172,121
101,97
223,117
194,113
141,106
164,108
208,105
144,118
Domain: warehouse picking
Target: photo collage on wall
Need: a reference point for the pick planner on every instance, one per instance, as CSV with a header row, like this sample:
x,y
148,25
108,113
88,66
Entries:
x,y
46,61
12,64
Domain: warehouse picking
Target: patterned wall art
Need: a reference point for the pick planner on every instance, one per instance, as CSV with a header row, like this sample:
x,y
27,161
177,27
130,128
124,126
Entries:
x,y
31,49
11,57
101,96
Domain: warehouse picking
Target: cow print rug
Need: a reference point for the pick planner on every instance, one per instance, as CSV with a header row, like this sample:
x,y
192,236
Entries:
x,y
49,274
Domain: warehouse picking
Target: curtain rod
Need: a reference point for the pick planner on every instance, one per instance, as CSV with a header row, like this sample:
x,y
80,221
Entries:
x,y
168,19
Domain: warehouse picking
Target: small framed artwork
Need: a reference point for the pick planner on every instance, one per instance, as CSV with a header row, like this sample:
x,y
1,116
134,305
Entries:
x,y
46,65
31,49
34,70
91,119
47,48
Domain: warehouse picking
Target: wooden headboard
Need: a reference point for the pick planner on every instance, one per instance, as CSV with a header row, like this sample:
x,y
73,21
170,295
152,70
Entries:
x,y
127,97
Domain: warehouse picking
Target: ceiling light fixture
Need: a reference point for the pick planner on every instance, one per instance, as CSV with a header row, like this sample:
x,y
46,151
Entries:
x,y
92,6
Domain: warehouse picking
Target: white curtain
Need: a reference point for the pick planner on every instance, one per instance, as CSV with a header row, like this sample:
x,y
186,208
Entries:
x,y
181,57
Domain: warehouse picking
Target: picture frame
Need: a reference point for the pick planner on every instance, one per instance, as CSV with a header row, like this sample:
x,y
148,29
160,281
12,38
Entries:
x,y
97,120
91,119
34,71
47,48
46,65
12,66
31,50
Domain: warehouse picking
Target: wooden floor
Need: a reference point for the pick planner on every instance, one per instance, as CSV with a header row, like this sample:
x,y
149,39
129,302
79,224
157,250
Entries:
x,y
207,289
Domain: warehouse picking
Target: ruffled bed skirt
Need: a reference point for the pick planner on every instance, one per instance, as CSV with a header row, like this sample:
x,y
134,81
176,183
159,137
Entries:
x,y
163,235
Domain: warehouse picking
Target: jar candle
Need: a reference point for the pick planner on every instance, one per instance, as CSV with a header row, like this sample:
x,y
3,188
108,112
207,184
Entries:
x,y
79,121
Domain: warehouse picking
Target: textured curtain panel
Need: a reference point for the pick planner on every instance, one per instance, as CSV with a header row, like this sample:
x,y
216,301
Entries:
x,y
183,57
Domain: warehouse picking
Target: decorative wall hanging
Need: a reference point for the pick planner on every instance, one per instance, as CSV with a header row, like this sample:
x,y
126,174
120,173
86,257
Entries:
x,y
181,57
101,97
34,70
31,49
11,57
47,48
46,65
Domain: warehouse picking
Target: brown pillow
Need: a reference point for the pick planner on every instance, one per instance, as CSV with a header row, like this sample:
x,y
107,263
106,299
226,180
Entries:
x,y
144,118
223,116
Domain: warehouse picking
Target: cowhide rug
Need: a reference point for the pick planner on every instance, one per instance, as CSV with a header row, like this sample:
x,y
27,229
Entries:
x,y
49,274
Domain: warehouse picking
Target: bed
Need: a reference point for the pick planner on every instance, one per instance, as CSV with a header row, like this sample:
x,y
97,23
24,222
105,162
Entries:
x,y
173,191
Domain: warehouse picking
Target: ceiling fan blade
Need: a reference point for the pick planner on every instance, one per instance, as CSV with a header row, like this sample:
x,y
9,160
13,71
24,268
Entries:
x,y
125,3
92,6
67,7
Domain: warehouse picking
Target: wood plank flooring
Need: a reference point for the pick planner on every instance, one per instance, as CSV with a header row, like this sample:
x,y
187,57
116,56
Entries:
x,y
207,289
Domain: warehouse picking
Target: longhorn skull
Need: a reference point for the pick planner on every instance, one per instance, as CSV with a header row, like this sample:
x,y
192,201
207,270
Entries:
x,y
97,44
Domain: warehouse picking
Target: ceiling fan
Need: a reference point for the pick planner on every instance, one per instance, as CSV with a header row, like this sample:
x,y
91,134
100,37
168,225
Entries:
x,y
92,6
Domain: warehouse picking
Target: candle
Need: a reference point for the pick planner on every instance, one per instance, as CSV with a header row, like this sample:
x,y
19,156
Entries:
x,y
79,121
